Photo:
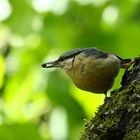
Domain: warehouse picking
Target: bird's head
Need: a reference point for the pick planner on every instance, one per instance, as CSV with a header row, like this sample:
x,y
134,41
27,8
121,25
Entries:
x,y
65,61
65,64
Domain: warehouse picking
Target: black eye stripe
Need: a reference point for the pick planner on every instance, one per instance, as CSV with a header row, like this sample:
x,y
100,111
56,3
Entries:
x,y
64,57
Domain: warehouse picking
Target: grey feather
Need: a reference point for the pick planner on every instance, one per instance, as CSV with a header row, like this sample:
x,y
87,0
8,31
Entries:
x,y
88,51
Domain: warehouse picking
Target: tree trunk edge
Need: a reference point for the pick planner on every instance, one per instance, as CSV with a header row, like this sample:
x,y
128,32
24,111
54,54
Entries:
x,y
119,117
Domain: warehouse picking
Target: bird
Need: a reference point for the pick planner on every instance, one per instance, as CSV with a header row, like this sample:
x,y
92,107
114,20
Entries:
x,y
90,69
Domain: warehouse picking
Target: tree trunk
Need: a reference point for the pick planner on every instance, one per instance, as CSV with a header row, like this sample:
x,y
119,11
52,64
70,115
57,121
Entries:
x,y
119,117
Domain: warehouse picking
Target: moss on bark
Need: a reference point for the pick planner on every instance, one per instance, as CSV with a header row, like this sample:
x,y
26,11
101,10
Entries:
x,y
119,117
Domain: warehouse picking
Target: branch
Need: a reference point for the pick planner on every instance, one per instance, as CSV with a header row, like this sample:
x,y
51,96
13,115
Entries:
x,y
119,117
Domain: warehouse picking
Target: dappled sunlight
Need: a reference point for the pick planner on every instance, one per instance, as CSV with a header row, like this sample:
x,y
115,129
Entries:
x,y
110,15
58,7
5,9
2,71
44,104
58,123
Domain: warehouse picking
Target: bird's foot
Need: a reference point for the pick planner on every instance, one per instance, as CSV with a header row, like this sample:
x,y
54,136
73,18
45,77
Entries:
x,y
106,97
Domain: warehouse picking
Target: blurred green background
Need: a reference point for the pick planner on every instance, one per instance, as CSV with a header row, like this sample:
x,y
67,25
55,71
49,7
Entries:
x,y
43,104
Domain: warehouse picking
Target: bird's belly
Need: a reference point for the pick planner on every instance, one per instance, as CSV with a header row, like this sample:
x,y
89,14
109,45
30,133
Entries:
x,y
95,85
95,74
96,80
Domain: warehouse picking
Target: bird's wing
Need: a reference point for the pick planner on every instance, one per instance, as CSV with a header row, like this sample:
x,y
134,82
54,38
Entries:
x,y
88,51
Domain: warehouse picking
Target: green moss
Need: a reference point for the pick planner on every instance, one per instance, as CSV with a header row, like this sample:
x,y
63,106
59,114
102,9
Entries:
x,y
132,135
118,117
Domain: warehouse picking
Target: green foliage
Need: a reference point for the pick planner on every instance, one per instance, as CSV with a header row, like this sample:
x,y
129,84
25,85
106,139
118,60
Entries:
x,y
19,131
29,37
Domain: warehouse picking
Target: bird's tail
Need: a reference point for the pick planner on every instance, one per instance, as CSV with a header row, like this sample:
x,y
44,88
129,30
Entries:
x,y
125,63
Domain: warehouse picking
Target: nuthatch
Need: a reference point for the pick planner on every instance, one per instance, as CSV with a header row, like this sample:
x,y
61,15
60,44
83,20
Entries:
x,y
90,69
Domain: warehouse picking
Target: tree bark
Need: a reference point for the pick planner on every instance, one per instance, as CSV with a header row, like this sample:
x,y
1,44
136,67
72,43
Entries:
x,y
119,117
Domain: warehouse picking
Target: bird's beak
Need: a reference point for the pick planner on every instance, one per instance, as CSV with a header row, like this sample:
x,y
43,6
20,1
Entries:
x,y
50,64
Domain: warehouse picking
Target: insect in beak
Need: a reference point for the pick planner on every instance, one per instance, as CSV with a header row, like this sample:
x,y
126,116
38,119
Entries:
x,y
50,64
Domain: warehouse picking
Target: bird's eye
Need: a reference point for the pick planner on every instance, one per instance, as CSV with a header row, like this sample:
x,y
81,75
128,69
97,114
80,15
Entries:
x,y
61,59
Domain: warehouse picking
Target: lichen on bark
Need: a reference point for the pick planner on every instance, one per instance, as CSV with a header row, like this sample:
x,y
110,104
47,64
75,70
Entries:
x,y
119,117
